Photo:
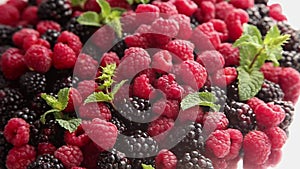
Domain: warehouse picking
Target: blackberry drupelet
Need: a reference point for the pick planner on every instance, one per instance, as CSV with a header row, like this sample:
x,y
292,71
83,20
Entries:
x,y
64,82
233,91
262,2
6,33
220,94
290,59
265,24
270,91
194,22
4,148
240,116
51,36
119,48
28,115
289,109
194,160
39,105
46,161
57,10
294,41
119,124
32,83
256,13
113,160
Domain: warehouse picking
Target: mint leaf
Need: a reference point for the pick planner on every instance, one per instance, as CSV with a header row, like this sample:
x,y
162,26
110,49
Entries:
x,y
70,125
107,75
105,8
77,2
199,99
89,18
130,2
43,117
116,88
98,97
51,101
145,1
253,32
274,32
116,25
249,83
63,97
147,166
247,53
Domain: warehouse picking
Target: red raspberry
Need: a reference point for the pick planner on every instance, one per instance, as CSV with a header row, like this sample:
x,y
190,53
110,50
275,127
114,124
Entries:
x,y
70,156
162,61
257,147
231,54
72,40
165,159
198,2
274,158
269,115
207,10
119,4
142,87
223,9
103,133
224,77
168,108
182,49
233,164
169,87
20,5
194,114
103,38
38,58
160,127
78,138
186,7
33,40
137,40
289,81
244,4
13,64
211,60
146,13
254,102
91,5
74,101
151,74
277,137
46,148
109,58
218,163
143,29
235,21
63,56
205,37
94,110
166,8
185,29
276,12
221,28
20,157
218,143
17,131
30,15
86,87
213,121
271,72
90,155
43,26
9,15
86,67
18,37
236,139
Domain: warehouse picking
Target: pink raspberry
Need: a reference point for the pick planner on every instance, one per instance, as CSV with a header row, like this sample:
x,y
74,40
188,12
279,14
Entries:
x,y
13,64
276,12
46,148
63,56
146,13
221,28
143,29
38,58
182,49
72,40
33,40
103,133
43,26
20,157
20,5
142,87
109,58
271,72
169,87
289,81
211,60
165,159
18,37
17,131
213,121
235,21
205,37
9,15
74,101
224,77
244,4
254,102
277,137
86,67
78,138
162,61
218,163
236,139
163,30
218,143
274,158
269,115
184,22
160,127
70,156
231,54
30,15
257,147
186,7
137,40
94,110
168,108
223,9
206,11
86,87
103,38
166,7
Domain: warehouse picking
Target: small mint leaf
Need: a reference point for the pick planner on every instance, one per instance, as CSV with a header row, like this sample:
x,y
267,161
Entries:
x,y
145,1
115,23
51,101
117,87
89,18
253,32
274,55
98,97
130,2
70,125
249,83
76,3
199,99
147,166
43,117
105,8
273,32
63,97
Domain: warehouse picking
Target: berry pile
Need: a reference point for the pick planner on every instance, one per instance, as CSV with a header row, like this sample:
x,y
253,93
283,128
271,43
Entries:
x,y
84,85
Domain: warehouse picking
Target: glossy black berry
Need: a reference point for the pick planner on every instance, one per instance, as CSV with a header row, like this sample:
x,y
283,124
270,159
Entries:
x,y
270,91
32,83
4,148
6,33
28,115
256,13
265,24
289,110
51,36
290,59
113,160
219,94
194,160
119,48
46,161
262,2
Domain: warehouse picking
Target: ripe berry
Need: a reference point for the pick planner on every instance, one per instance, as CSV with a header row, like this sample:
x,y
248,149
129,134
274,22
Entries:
x,y
165,159
46,161
186,7
95,110
71,40
17,131
38,58
109,58
223,9
270,91
269,115
33,83
218,143
86,67
86,87
236,141
30,15
20,157
181,49
290,83
166,7
142,87
113,160
162,61
231,55
169,86
70,156
244,4
213,121
160,127
78,138
74,101
63,56
211,60
19,37
271,72
224,77
168,108
46,148
276,12
43,26
184,22
9,15
277,137
194,159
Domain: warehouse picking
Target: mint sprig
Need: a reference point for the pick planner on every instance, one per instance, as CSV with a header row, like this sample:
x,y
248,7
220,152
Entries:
x,y
147,166
76,3
199,99
131,2
254,52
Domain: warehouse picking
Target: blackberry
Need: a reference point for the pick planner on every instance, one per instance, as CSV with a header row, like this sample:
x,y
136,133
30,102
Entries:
x,y
137,163
265,24
256,13
51,36
240,116
119,48
233,91
46,161
3,82
220,94
290,59
6,33
64,82
270,91
262,2
28,115
194,22
4,148
113,160
57,10
119,124
32,2
294,41
32,83
194,160
289,109
39,105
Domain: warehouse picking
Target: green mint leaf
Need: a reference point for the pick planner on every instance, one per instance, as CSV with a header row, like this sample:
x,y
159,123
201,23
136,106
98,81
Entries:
x,y
89,18
105,8
51,101
248,53
98,97
117,87
77,2
70,125
106,84
115,23
199,99
43,117
274,32
274,54
109,69
249,83
63,97
147,166
145,1
130,2
253,32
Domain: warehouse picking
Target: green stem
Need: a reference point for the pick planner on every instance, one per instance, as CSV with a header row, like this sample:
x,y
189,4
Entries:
x,y
255,57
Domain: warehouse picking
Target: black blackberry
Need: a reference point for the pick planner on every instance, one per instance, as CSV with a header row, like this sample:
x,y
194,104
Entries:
x,y
256,13
32,83
240,116
51,36
64,82
194,160
270,91
262,2
39,105
194,22
46,161
119,48
6,33
294,41
113,160
32,2
233,91
3,82
265,24
137,163
289,109
290,59
4,148
119,124
28,115
220,94
57,10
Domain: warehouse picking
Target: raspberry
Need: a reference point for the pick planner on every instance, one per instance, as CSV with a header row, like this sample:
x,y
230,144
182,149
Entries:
x,y
224,77
17,131
90,155
244,4
274,158
218,143
9,15
184,22
205,37
146,13
169,86
166,8
181,49
289,109
137,40
192,114
30,15
20,5
211,60
213,121
235,21
236,139
18,37
231,54
91,5
271,72
119,3
289,81
223,9
142,87
63,56
43,26
94,110
257,147
86,67
70,156
277,137
168,108
269,115
13,64
20,157
38,58
207,10
276,12
186,7
103,133
109,58
254,102
160,127
77,138
103,38
86,87
165,159
33,40
221,28
74,101
46,148
72,40
162,61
